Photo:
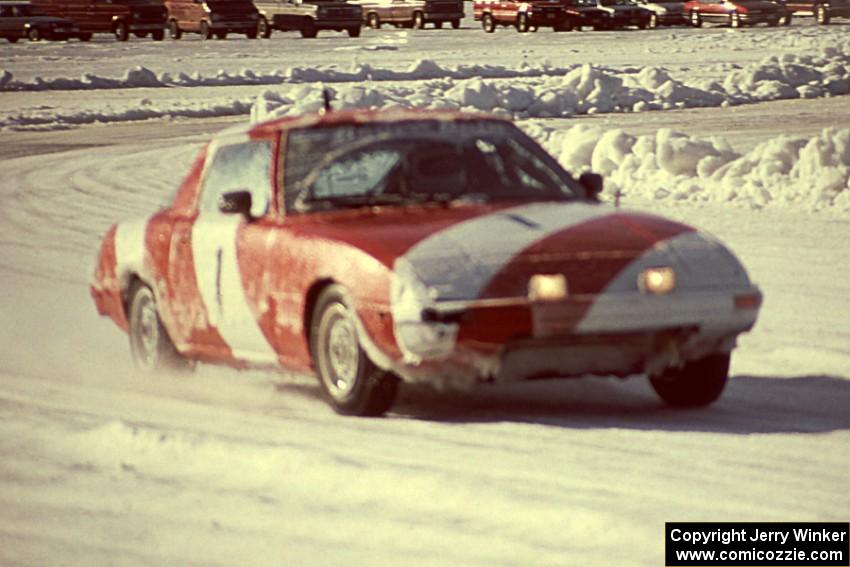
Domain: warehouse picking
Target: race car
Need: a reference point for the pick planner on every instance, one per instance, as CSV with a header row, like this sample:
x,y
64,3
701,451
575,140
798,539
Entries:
x,y
439,247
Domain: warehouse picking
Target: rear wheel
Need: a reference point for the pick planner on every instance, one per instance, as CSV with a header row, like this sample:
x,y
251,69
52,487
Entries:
x,y
33,34
353,32
653,21
174,30
696,19
487,23
350,380
308,28
455,24
785,20
221,35
251,33
150,345
12,39
158,35
698,383
374,21
121,32
205,31
84,37
522,23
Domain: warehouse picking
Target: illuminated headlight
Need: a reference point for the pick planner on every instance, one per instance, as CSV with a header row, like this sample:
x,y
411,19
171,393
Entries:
x,y
547,287
657,280
410,298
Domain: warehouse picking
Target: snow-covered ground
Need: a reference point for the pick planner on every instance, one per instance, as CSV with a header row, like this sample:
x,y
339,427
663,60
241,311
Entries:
x,y
99,465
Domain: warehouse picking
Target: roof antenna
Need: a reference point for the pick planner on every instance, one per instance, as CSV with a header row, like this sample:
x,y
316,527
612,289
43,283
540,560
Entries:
x,y
326,98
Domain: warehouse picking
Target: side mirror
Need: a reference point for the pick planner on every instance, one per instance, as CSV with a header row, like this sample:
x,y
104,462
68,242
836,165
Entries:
x,y
592,183
236,202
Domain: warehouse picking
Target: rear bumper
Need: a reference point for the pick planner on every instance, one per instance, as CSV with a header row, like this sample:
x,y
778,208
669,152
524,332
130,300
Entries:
x,y
443,17
146,27
238,26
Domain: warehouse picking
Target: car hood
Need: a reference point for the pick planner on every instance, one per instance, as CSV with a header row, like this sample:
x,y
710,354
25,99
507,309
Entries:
x,y
492,251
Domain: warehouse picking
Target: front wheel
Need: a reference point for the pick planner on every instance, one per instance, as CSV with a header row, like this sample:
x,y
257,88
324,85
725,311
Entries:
x,y
785,20
158,35
488,24
653,21
308,29
734,20
33,34
121,31
350,381
821,15
353,32
418,21
150,345
174,30
455,24
205,31
251,33
374,21
698,383
696,19
84,37
522,23
264,30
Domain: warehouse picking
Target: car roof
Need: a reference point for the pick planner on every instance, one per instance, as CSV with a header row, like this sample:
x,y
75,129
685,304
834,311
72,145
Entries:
x,y
349,116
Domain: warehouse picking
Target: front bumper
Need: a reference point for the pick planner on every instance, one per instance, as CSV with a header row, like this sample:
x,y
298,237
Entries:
x,y
608,334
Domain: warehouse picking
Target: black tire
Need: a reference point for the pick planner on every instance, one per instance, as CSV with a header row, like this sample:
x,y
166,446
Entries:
x,y
352,384
174,31
698,383
438,25
11,39
158,35
264,30
34,34
353,32
308,28
487,23
150,345
734,20
374,21
205,31
785,20
251,33
221,35
522,23
455,24
821,15
121,32
418,21
84,37
695,19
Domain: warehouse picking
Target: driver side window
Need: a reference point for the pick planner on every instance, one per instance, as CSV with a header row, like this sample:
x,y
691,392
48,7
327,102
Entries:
x,y
239,167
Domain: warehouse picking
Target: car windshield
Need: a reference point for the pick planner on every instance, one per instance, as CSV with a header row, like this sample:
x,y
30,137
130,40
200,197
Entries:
x,y
419,162
615,2
580,2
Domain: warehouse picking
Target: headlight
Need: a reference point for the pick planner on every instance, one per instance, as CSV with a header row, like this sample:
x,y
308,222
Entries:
x,y
410,298
544,287
657,280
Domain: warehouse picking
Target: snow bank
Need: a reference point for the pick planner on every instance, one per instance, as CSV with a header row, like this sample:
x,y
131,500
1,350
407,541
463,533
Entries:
x,y
584,89
813,173
142,77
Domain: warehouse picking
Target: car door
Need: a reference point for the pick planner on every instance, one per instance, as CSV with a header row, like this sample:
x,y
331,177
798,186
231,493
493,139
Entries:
x,y
224,257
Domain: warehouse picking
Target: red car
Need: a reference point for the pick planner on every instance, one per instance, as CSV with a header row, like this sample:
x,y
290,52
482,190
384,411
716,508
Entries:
x,y
436,247
736,13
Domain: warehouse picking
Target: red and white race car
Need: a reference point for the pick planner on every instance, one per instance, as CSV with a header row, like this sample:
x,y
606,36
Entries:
x,y
437,247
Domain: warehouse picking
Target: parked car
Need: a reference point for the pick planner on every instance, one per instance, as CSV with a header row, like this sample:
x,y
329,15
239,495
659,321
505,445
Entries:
x,y
584,13
119,17
212,17
665,13
22,20
309,16
430,247
524,16
736,13
822,10
625,13
412,13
